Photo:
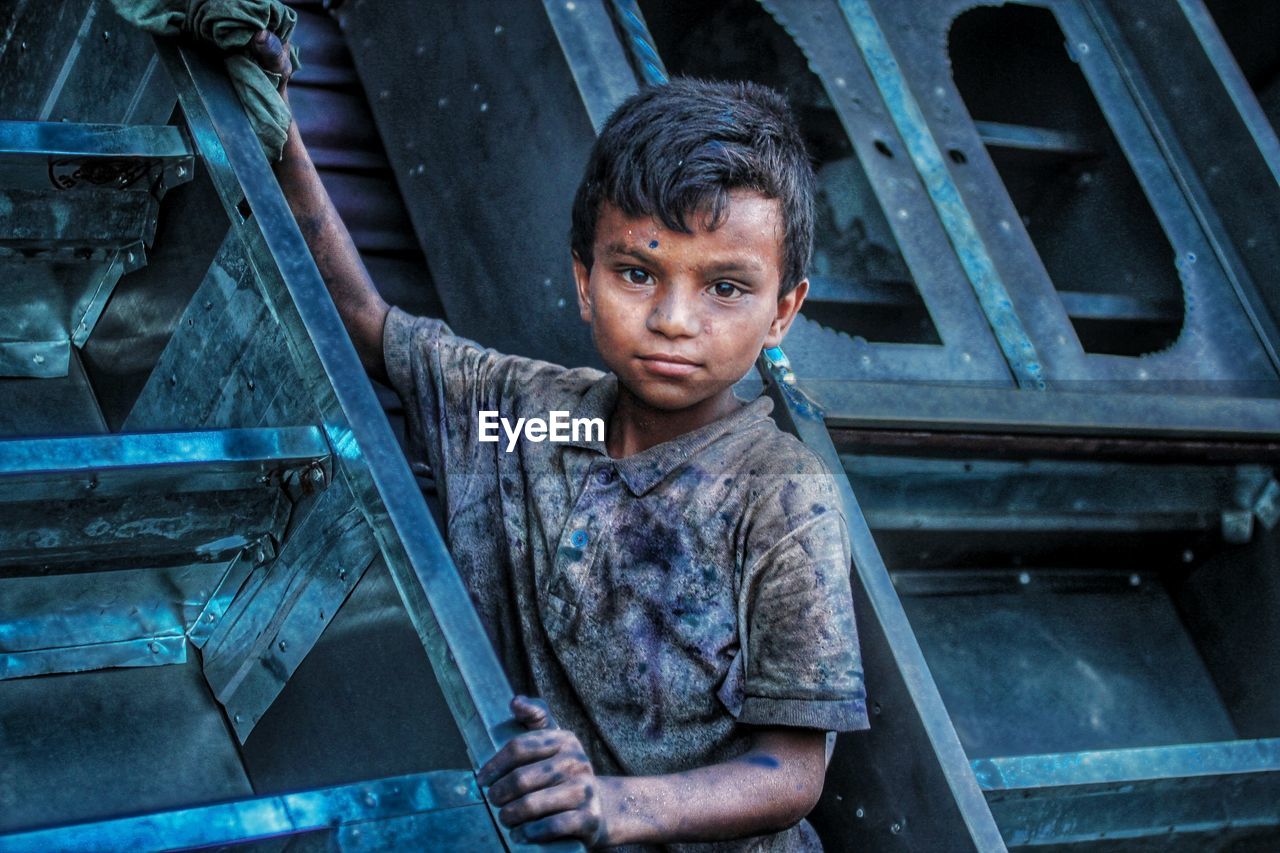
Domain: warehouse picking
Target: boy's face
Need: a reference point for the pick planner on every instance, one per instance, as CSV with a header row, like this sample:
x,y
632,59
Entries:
x,y
681,317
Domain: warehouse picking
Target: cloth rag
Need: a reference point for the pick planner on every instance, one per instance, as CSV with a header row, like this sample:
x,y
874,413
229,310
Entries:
x,y
230,25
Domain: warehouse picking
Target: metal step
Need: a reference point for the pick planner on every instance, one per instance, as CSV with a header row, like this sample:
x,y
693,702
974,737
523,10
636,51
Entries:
x,y
78,210
1182,797
385,814
114,549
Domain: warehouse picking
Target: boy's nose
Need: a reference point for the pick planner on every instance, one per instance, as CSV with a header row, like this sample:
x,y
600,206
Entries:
x,y
675,314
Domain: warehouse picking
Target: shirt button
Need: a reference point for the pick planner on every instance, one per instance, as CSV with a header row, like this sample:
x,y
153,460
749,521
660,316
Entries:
x,y
579,538
604,476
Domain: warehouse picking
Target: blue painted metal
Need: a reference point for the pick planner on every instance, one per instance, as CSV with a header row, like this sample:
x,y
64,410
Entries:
x,y
1184,797
124,464
270,817
77,210
65,155
232,451
639,42
1200,207
974,257
1020,772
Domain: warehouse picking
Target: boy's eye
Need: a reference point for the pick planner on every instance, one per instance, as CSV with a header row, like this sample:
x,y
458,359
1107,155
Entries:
x,y
725,289
636,276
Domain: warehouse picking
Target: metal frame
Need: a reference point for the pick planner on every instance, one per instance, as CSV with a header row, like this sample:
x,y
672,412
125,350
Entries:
x,y
365,450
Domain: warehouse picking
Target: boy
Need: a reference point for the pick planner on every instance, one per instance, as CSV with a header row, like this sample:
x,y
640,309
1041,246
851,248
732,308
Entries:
x,y
677,593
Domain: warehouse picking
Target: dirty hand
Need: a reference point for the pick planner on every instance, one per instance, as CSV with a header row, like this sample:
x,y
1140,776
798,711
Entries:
x,y
543,782
268,51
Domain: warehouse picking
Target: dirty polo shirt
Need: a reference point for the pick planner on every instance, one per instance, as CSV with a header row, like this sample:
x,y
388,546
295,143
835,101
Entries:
x,y
657,601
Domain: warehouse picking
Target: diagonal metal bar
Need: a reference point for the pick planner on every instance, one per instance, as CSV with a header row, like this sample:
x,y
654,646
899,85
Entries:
x,y
918,729
956,220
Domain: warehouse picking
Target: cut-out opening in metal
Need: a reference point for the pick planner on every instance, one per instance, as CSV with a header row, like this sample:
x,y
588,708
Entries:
x,y
1076,193
859,282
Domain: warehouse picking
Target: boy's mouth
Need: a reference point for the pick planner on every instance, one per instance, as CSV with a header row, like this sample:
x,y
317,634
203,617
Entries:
x,y
668,364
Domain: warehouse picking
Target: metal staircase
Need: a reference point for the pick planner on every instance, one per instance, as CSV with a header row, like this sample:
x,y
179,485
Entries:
x,y
200,491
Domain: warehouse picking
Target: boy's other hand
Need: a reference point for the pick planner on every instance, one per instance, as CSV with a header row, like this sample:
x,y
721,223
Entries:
x,y
272,55
543,782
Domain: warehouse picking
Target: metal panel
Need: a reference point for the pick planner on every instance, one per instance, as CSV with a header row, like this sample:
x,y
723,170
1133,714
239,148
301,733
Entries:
x,y
77,209
1217,344
85,622
1085,412
1210,124
501,100
366,691
1035,670
285,605
146,304
227,363
65,468
94,745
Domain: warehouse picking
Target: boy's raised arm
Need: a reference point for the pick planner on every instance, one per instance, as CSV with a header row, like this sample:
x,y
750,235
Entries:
x,y
362,309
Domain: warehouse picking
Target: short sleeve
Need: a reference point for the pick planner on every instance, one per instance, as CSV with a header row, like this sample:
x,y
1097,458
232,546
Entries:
x,y
445,381
802,663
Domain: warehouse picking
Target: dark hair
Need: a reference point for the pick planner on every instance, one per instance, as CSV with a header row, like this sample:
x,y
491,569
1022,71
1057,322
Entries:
x,y
677,149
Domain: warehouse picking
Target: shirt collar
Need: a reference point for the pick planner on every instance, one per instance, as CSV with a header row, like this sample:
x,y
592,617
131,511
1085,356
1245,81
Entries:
x,y
642,471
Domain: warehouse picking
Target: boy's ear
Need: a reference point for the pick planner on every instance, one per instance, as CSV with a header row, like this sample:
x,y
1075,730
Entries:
x,y
788,308
582,280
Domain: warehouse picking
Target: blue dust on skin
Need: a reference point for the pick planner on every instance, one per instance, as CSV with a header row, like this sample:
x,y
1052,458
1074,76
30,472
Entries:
x,y
653,244
763,761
